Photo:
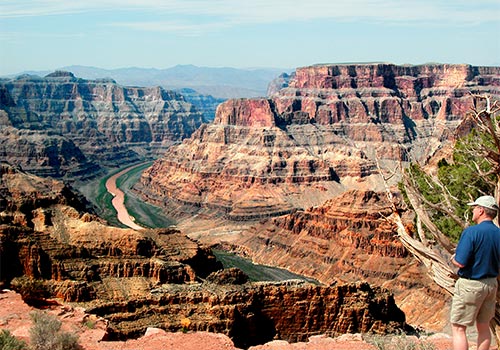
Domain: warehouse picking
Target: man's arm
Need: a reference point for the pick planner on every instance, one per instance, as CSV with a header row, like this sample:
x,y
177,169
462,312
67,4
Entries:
x,y
456,263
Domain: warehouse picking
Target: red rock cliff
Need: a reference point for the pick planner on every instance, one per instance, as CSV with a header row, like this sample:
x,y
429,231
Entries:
x,y
319,136
244,112
348,239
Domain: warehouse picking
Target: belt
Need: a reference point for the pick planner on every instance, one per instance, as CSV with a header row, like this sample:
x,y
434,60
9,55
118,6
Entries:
x,y
478,279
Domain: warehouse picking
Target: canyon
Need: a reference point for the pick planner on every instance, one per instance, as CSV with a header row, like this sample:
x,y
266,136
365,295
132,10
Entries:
x,y
67,127
297,178
294,179
53,246
332,128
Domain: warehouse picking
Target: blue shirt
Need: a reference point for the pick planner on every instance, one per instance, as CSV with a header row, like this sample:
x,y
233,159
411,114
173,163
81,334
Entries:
x,y
479,251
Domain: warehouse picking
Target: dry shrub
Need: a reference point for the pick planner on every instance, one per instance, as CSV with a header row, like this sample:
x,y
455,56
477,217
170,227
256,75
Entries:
x,y
46,334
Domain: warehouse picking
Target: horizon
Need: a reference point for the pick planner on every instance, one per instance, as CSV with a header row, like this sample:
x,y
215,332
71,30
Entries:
x,y
46,35
286,69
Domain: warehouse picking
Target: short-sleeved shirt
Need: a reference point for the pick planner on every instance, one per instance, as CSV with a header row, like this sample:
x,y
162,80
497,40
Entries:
x,y
479,251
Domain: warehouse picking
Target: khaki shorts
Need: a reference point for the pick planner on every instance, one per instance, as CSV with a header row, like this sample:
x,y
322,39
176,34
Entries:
x,y
473,300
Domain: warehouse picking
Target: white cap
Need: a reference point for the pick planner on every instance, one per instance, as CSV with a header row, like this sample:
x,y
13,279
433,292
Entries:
x,y
486,201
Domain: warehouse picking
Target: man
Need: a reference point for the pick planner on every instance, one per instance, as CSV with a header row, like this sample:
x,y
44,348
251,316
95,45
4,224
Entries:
x,y
478,258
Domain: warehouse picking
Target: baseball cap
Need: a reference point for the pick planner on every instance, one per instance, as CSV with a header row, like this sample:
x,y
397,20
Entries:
x,y
486,201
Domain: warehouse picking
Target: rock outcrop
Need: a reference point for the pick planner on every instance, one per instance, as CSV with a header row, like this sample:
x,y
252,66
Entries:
x,y
63,126
252,314
349,239
150,278
281,82
328,131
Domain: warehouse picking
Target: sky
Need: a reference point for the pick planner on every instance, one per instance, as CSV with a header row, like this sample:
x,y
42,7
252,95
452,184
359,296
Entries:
x,y
50,34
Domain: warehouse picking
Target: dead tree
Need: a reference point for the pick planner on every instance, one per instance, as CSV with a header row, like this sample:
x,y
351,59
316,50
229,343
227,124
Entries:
x,y
436,257
486,119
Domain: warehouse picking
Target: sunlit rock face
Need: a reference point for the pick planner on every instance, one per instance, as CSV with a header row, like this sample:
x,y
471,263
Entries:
x,y
63,126
330,128
162,278
349,238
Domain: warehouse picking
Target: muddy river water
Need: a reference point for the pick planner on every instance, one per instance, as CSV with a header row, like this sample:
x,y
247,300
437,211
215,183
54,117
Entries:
x,y
119,199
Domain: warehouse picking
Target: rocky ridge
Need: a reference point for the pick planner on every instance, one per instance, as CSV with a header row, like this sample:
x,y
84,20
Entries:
x,y
349,239
14,316
64,126
151,278
329,130
256,313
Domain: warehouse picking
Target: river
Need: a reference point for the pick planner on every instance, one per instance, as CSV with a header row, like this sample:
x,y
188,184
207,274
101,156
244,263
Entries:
x,y
256,272
119,199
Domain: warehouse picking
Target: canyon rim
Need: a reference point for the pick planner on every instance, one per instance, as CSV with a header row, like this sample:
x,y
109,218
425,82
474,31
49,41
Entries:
x,y
292,178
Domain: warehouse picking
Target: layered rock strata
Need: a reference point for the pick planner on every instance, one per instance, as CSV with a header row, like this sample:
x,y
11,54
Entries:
x,y
329,130
46,233
347,239
51,246
254,314
63,126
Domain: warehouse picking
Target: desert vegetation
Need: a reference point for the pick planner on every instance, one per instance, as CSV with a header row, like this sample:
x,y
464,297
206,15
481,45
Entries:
x,y
439,196
45,334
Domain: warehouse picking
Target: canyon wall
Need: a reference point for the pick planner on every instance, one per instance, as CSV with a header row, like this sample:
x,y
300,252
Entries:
x,y
48,232
63,126
327,130
52,245
294,179
349,238
256,313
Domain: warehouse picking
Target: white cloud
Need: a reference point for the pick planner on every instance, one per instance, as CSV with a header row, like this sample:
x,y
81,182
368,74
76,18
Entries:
x,y
184,28
266,11
27,8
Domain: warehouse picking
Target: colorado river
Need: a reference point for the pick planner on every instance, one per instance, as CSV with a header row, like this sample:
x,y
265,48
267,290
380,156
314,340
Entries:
x,y
119,199
255,272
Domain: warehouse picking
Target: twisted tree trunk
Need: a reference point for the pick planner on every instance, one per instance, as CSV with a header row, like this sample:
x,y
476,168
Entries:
x,y
437,258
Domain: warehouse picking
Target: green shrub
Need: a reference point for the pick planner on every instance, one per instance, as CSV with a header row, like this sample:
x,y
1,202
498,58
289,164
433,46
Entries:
x,y
89,324
9,342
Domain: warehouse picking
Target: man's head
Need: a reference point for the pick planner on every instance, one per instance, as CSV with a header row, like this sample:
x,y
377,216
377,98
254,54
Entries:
x,y
487,206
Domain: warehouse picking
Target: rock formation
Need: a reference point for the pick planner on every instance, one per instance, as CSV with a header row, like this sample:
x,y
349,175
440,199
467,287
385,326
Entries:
x,y
47,233
63,126
328,131
294,179
279,83
50,245
252,314
348,239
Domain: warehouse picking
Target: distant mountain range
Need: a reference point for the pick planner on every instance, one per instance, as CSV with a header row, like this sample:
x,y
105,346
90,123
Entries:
x,y
218,82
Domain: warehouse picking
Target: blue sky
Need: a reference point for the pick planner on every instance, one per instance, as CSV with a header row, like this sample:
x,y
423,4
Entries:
x,y
49,34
